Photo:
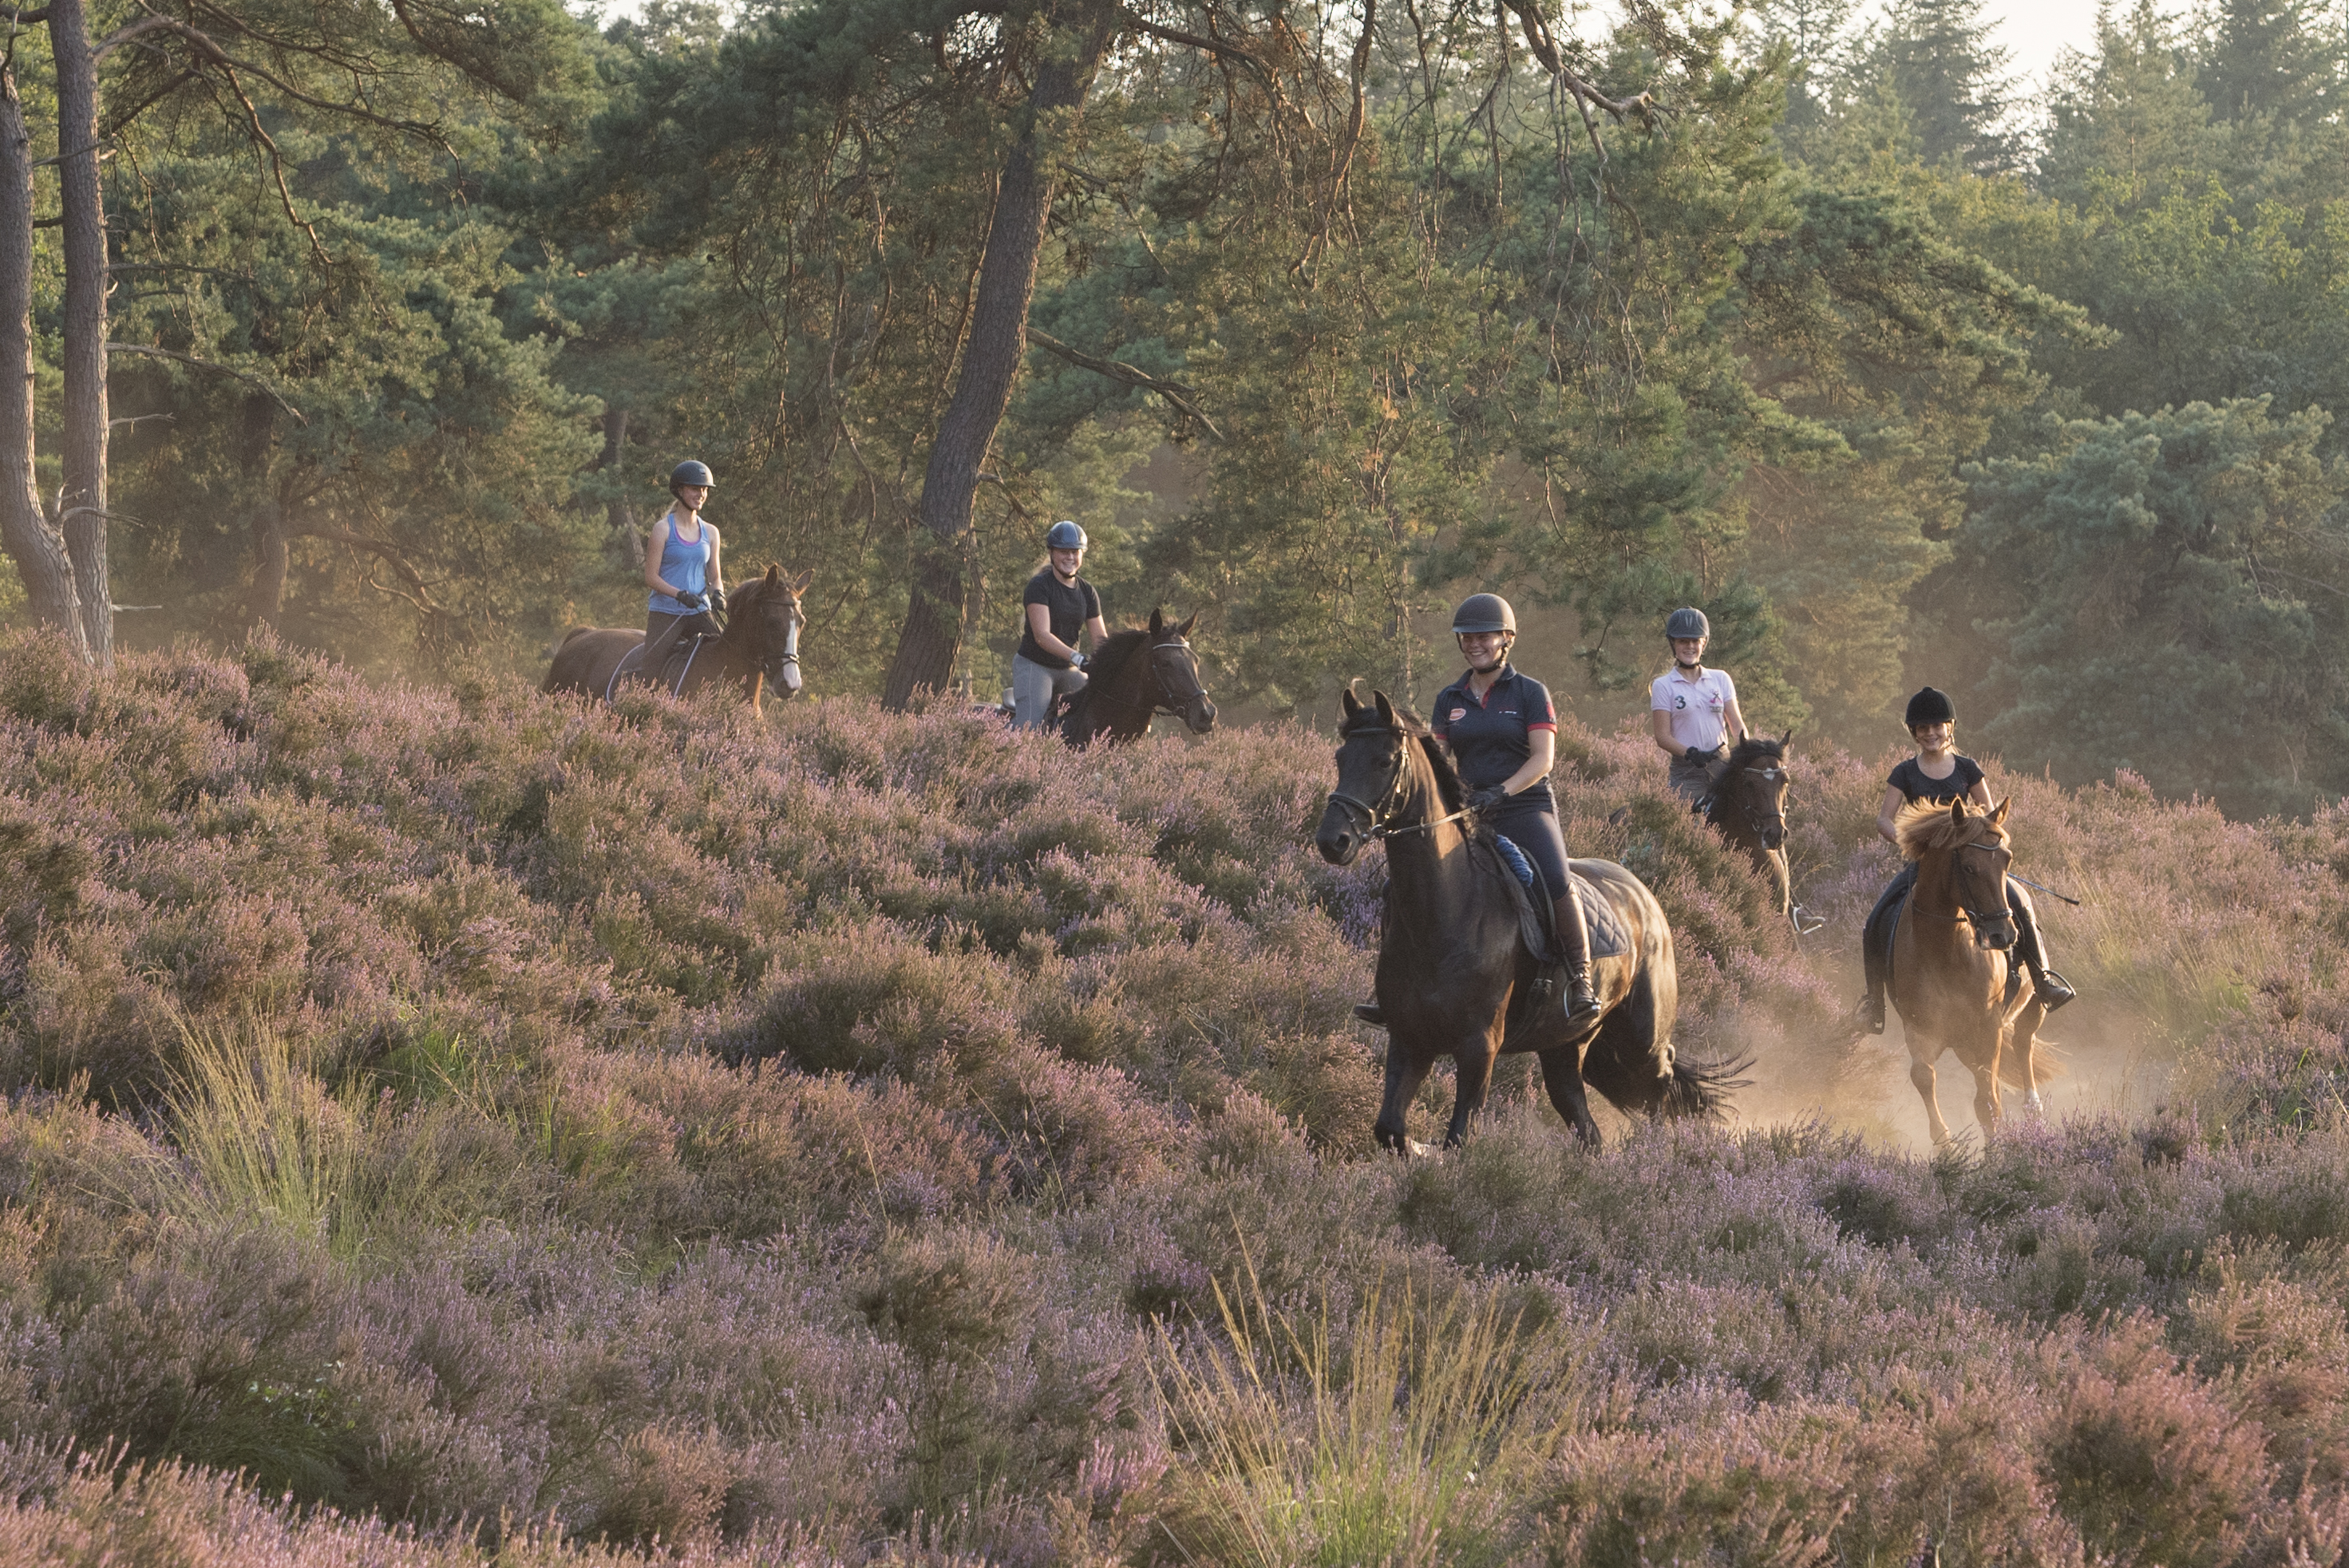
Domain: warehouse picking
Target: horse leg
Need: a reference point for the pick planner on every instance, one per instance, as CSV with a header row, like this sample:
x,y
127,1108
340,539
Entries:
x,y
1627,1051
1407,1069
1561,1068
1987,1110
1920,1072
1473,1068
2026,1051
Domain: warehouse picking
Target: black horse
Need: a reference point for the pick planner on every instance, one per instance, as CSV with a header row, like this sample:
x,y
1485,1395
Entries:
x,y
1136,673
1456,979
1748,808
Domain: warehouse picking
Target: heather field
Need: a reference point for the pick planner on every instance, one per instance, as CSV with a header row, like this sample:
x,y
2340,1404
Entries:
x,y
454,1127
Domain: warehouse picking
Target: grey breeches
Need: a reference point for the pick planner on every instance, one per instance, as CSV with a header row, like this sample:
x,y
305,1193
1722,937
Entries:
x,y
1033,687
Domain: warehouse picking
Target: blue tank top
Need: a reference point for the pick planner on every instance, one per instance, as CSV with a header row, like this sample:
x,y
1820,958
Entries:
x,y
686,564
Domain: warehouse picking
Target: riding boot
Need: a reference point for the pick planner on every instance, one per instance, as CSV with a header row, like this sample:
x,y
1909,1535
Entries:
x,y
1574,952
1371,1013
2052,989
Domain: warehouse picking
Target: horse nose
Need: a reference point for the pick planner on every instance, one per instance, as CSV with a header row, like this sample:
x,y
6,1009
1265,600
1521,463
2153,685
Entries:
x,y
1203,718
1336,845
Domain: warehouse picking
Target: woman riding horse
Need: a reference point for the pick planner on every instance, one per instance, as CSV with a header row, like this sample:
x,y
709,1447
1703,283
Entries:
x,y
681,567
1502,731
1938,775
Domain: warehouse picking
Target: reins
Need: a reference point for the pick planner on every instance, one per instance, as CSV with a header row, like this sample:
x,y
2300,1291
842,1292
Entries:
x,y
1396,787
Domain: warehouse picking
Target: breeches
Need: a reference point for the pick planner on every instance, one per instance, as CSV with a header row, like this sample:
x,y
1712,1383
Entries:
x,y
1033,687
1534,829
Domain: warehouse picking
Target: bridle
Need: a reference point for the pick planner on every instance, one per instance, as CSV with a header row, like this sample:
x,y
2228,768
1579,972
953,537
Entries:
x,y
1175,703
1391,800
1978,918
1754,819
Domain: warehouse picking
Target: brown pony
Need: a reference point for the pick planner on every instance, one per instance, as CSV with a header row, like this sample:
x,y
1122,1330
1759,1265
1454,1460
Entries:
x,y
1954,975
1454,975
1748,808
760,646
1137,672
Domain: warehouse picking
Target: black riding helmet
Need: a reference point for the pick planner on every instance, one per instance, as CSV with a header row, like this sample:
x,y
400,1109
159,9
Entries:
x,y
691,472
1932,706
1687,621
1483,612
1064,535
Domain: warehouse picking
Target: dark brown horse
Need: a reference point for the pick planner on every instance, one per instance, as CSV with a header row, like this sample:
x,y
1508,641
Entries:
x,y
1748,808
760,647
1138,672
1953,961
1452,970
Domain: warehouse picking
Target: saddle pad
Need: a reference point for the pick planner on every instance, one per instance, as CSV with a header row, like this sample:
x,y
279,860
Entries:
x,y
1605,927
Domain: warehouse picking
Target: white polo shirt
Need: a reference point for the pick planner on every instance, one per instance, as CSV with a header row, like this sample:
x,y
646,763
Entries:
x,y
1698,707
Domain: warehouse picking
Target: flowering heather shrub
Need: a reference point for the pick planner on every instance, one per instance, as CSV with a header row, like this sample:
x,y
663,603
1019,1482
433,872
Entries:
x,y
567,1132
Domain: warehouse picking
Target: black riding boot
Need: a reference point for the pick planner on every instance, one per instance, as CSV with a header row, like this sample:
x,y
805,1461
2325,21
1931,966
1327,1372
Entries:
x,y
2053,990
1574,952
1875,942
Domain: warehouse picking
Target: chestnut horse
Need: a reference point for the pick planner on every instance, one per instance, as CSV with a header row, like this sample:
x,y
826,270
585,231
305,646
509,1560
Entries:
x,y
760,646
1954,977
1451,961
1137,672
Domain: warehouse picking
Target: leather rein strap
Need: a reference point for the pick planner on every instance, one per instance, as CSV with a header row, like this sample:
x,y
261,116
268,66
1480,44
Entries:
x,y
1376,815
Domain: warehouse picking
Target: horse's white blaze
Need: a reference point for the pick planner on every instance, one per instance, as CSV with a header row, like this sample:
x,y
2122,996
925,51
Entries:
x,y
791,659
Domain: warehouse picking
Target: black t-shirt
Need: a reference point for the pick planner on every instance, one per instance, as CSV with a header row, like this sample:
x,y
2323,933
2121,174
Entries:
x,y
1071,605
1491,739
1910,780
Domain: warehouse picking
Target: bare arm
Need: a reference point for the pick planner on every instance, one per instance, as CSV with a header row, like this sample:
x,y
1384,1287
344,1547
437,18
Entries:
x,y
1893,800
1542,747
1734,717
1040,623
1980,795
1098,632
716,574
1660,724
654,543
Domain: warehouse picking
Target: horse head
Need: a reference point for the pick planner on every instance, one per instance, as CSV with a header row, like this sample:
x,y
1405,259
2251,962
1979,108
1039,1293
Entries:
x,y
1754,789
768,609
1375,782
1175,669
1979,860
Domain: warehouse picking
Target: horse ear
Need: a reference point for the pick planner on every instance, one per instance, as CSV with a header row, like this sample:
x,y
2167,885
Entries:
x,y
1349,701
773,573
1958,809
1386,709
799,585
1157,621
1998,812
1743,735
1787,739
1185,629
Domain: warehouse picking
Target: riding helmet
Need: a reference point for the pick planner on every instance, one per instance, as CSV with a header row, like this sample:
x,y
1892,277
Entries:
x,y
1065,535
691,472
1932,706
1687,621
1483,612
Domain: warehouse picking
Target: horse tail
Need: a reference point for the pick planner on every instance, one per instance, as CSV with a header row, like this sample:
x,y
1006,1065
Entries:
x,y
1701,1089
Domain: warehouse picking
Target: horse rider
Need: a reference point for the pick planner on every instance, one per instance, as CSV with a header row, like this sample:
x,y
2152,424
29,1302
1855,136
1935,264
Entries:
x,y
1502,731
681,568
1692,711
1059,605
1939,774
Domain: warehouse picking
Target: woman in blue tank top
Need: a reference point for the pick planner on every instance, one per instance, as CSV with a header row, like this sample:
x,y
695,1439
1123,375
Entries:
x,y
681,568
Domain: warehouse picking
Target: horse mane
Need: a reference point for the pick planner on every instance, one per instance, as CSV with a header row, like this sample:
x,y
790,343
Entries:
x,y
1754,748
1109,661
1921,827
1447,781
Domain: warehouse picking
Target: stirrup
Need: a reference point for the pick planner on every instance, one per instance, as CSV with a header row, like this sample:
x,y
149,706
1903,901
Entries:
x,y
1371,1013
1581,1002
1869,1015
2052,989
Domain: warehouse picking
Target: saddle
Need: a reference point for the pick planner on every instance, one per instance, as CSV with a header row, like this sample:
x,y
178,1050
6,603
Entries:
x,y
674,665
1536,929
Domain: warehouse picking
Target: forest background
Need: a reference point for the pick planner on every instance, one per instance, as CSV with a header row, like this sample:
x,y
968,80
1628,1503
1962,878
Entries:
x,y
1337,312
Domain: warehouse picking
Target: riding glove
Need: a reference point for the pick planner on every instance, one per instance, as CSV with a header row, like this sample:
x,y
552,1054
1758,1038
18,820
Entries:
x,y
1484,800
689,598
1696,758
717,598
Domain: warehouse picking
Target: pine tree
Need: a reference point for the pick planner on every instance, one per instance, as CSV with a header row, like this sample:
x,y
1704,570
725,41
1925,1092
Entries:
x,y
1936,57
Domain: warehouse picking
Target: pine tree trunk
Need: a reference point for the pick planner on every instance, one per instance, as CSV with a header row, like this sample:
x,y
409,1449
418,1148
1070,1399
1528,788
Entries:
x,y
992,355
82,517
32,543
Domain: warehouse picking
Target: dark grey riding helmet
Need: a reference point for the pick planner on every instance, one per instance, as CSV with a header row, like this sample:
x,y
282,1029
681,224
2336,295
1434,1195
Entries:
x,y
1687,621
1483,612
691,472
1932,706
1065,535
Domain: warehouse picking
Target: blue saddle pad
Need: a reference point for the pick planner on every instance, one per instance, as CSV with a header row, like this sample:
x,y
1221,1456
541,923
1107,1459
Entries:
x,y
1517,863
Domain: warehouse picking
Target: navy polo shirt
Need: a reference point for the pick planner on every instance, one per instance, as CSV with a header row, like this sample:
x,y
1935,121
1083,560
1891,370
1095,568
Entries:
x,y
1492,738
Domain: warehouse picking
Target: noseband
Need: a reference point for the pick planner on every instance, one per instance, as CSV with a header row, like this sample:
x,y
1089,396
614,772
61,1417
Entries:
x,y
1390,801
1966,912
1170,702
1754,819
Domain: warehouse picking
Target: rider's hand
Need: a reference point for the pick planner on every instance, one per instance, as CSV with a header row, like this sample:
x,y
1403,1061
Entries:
x,y
1484,800
1076,659
718,599
1696,758
689,598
